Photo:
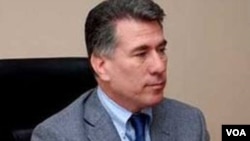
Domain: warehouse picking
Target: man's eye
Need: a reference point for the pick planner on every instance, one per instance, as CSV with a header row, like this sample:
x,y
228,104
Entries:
x,y
141,54
162,50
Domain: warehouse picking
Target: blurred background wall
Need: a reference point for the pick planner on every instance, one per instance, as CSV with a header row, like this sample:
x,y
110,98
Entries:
x,y
209,48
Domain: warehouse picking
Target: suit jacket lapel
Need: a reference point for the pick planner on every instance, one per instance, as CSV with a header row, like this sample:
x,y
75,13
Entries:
x,y
97,122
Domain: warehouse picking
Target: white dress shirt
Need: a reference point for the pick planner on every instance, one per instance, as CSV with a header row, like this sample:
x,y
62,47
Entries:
x,y
120,117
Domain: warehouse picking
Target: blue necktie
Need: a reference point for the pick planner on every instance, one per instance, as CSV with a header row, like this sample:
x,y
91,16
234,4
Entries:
x,y
138,122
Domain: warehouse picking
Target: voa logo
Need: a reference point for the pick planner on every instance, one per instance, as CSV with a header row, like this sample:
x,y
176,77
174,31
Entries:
x,y
236,132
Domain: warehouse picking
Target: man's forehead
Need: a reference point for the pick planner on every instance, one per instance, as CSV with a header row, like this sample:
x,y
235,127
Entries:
x,y
129,27
138,35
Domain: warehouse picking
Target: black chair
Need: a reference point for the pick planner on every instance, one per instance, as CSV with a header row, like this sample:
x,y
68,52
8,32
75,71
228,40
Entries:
x,y
32,89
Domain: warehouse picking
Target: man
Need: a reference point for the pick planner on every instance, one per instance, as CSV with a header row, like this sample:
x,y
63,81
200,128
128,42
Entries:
x,y
126,48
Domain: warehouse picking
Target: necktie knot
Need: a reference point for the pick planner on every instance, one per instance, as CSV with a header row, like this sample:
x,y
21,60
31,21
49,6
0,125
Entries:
x,y
138,121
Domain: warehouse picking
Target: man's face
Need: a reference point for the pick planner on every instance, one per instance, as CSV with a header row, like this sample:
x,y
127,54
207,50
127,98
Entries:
x,y
137,68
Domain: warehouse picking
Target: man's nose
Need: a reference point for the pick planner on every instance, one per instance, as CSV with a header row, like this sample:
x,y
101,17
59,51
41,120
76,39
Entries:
x,y
158,63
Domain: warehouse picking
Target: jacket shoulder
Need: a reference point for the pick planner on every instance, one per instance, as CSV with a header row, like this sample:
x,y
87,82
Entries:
x,y
179,112
185,121
66,123
172,105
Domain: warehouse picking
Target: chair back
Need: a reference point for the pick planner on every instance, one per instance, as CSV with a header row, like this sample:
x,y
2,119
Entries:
x,y
32,89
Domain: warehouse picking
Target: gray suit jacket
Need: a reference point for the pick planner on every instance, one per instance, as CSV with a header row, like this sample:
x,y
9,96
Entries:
x,y
86,120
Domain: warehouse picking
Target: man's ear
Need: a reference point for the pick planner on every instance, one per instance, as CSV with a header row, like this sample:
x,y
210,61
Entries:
x,y
98,64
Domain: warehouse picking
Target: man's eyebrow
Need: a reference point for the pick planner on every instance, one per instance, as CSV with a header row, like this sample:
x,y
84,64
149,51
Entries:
x,y
163,43
140,48
145,47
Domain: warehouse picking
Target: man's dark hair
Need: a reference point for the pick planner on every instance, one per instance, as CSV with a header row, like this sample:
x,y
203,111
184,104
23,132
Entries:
x,y
100,23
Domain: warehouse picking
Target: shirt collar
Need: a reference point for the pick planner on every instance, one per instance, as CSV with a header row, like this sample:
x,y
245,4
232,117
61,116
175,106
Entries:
x,y
118,114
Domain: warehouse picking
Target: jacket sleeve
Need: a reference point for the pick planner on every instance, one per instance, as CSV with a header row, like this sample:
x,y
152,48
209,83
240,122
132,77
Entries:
x,y
45,133
204,132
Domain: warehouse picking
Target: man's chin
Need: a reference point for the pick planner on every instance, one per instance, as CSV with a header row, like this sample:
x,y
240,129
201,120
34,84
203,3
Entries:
x,y
156,98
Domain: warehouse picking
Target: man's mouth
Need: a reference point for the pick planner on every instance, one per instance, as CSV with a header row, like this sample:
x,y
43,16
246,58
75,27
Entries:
x,y
157,85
